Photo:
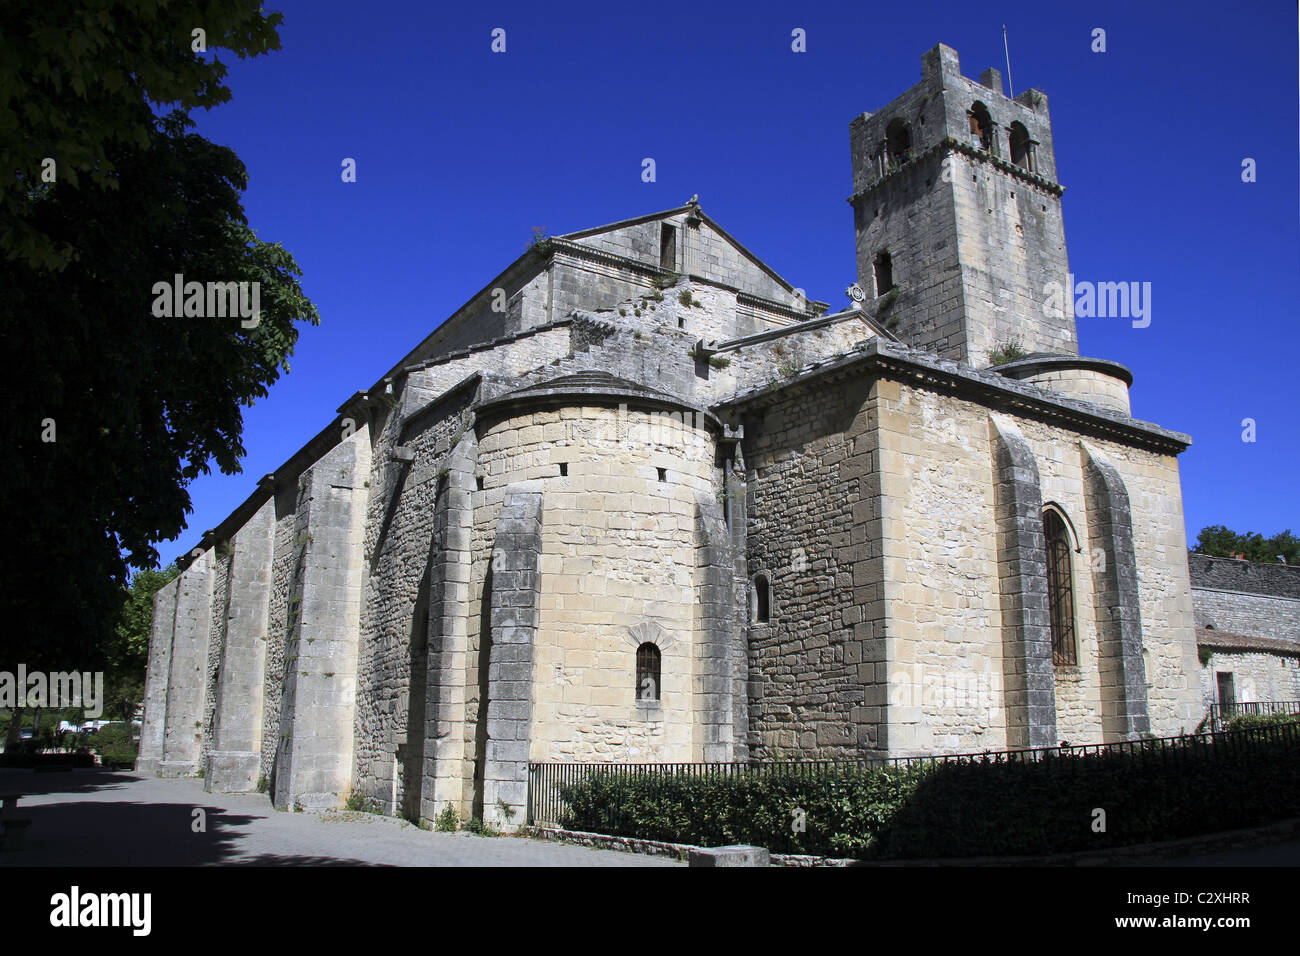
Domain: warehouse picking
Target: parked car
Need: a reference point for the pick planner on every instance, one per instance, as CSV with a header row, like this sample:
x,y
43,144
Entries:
x,y
26,733
92,726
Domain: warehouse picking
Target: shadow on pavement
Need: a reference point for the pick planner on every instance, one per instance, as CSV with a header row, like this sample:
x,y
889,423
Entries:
x,y
86,833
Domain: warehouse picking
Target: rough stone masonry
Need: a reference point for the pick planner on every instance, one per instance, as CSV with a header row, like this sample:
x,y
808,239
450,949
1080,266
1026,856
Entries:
x,y
640,500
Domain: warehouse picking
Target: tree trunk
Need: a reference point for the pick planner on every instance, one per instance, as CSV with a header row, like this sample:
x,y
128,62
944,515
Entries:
x,y
15,724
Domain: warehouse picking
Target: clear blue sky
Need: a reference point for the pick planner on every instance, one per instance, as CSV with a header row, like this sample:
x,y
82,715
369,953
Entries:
x,y
461,152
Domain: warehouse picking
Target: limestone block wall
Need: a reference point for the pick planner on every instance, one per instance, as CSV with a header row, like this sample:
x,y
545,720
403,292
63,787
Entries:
x,y
512,594
652,340
941,573
1256,676
1160,546
187,679
910,215
617,566
315,753
512,357
234,757
221,556
1028,672
524,287
701,250
941,577
1087,385
448,765
1250,577
1116,599
1263,615
157,673
1168,638
973,242
399,550
288,548
1012,244
776,358
818,668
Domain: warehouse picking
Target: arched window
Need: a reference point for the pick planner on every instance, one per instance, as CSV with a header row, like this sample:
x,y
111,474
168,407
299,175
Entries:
x,y
1022,147
760,609
1060,588
981,127
898,142
647,672
883,267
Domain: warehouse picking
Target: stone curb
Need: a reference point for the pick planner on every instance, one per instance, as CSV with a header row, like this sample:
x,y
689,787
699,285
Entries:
x,y
1138,853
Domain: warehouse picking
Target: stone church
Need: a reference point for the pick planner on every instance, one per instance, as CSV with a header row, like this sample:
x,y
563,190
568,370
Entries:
x,y
640,499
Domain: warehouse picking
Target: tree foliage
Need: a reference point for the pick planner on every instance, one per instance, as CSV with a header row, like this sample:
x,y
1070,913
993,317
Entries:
x,y
110,410
74,76
1223,542
128,650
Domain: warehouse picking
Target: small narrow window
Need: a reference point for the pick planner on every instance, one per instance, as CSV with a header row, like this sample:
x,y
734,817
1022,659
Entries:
x,y
668,247
478,482
564,469
761,609
647,672
681,322
884,269
1060,589
663,474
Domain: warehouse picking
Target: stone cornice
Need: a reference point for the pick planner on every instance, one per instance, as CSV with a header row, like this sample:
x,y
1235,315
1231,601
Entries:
x,y
925,370
953,145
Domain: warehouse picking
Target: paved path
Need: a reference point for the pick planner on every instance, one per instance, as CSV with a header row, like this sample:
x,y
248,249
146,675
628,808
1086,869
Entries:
x,y
101,818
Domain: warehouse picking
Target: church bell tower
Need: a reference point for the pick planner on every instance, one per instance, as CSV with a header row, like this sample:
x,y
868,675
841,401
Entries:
x,y
957,216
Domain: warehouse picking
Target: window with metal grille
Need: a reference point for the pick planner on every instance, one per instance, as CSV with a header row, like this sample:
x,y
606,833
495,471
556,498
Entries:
x,y
1060,589
647,672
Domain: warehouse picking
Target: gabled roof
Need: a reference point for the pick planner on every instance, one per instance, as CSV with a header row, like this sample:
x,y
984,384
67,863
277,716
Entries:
x,y
694,208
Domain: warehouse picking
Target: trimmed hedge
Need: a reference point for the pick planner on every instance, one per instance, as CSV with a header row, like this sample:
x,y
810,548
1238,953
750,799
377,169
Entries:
x,y
1249,721
1155,791
30,757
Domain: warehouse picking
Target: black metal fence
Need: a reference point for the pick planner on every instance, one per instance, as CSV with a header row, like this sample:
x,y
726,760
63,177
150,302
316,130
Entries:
x,y
546,806
1220,714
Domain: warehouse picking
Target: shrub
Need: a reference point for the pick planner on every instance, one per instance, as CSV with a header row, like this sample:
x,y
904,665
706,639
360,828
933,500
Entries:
x,y
1153,791
480,827
1251,721
357,803
1008,352
448,820
114,745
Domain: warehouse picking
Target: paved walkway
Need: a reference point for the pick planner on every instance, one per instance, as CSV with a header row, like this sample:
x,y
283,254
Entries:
x,y
101,818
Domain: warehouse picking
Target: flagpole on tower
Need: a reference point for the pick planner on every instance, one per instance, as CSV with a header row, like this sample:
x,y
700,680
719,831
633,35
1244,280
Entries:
x,y
1010,89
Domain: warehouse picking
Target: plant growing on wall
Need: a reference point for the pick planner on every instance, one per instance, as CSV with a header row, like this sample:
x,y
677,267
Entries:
x,y
1008,352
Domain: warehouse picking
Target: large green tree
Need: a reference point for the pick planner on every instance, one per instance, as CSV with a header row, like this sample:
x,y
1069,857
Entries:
x,y
110,410
128,650
1219,540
